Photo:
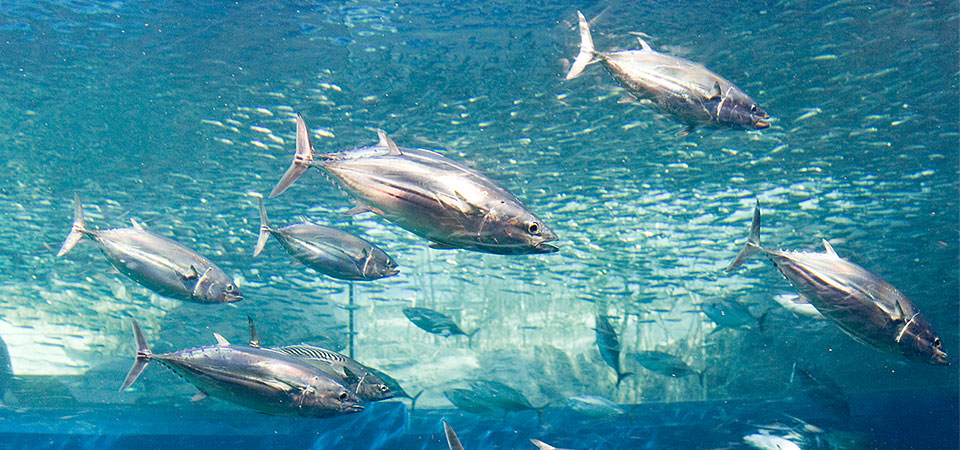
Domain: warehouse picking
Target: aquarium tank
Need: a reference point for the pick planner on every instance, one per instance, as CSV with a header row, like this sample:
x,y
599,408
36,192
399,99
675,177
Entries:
x,y
534,219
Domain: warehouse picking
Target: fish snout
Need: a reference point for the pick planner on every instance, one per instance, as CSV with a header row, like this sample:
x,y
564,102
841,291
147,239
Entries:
x,y
232,297
759,125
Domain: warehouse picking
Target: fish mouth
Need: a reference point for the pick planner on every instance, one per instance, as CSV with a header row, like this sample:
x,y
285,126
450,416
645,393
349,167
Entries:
x,y
544,247
939,358
354,408
232,298
391,272
761,125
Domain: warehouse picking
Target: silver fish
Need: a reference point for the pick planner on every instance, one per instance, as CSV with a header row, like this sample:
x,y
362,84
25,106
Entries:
x,y
730,315
683,89
862,304
327,250
435,322
665,364
156,262
263,380
594,406
609,346
469,401
6,372
452,440
498,395
429,195
356,377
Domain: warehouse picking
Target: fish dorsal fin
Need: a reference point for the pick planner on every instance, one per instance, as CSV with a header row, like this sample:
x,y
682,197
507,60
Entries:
x,y
716,92
221,341
136,225
829,249
385,141
644,45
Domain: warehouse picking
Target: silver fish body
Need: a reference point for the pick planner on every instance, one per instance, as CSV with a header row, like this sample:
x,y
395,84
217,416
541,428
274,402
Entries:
x,y
862,304
329,251
609,345
260,379
683,89
665,364
157,262
429,195
433,321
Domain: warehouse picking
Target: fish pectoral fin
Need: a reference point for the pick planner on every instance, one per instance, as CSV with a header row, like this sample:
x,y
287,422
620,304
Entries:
x,y
199,396
459,202
360,208
221,341
644,45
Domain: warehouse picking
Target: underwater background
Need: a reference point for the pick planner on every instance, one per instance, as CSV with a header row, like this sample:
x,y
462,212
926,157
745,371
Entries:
x,y
177,113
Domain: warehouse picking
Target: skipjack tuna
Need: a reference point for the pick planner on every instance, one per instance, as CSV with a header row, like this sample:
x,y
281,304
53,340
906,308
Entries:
x,y
865,306
158,263
429,195
686,90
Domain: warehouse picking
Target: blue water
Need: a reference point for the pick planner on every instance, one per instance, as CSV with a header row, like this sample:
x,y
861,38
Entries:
x,y
176,113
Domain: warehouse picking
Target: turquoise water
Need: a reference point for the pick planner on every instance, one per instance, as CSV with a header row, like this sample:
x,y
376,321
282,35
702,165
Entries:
x,y
176,113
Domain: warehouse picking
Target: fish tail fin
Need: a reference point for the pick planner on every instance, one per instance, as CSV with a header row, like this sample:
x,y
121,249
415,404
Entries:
x,y
701,374
762,319
413,401
77,230
621,376
753,241
264,229
143,357
302,160
470,337
586,49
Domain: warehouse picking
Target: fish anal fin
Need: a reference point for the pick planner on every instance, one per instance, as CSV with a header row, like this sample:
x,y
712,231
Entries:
x,y
199,396
221,341
441,246
136,225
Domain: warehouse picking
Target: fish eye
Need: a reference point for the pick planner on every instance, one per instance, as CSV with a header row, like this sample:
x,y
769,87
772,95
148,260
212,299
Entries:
x,y
343,396
753,108
230,288
936,342
533,228
384,388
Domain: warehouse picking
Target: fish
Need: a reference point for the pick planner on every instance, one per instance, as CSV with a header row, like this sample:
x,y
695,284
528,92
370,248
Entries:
x,y
156,262
861,303
469,401
427,194
436,322
501,396
688,91
665,364
609,346
798,305
264,380
544,446
730,315
766,441
452,440
594,406
824,391
356,377
329,251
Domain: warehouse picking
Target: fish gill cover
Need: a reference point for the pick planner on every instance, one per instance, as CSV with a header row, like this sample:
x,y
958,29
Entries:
x,y
177,116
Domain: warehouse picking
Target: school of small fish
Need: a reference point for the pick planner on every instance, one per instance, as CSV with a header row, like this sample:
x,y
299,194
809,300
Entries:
x,y
453,206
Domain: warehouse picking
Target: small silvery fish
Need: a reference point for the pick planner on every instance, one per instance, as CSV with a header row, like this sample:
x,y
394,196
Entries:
x,y
665,364
156,262
260,379
594,406
686,90
730,315
429,195
327,250
435,322
609,346
862,304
